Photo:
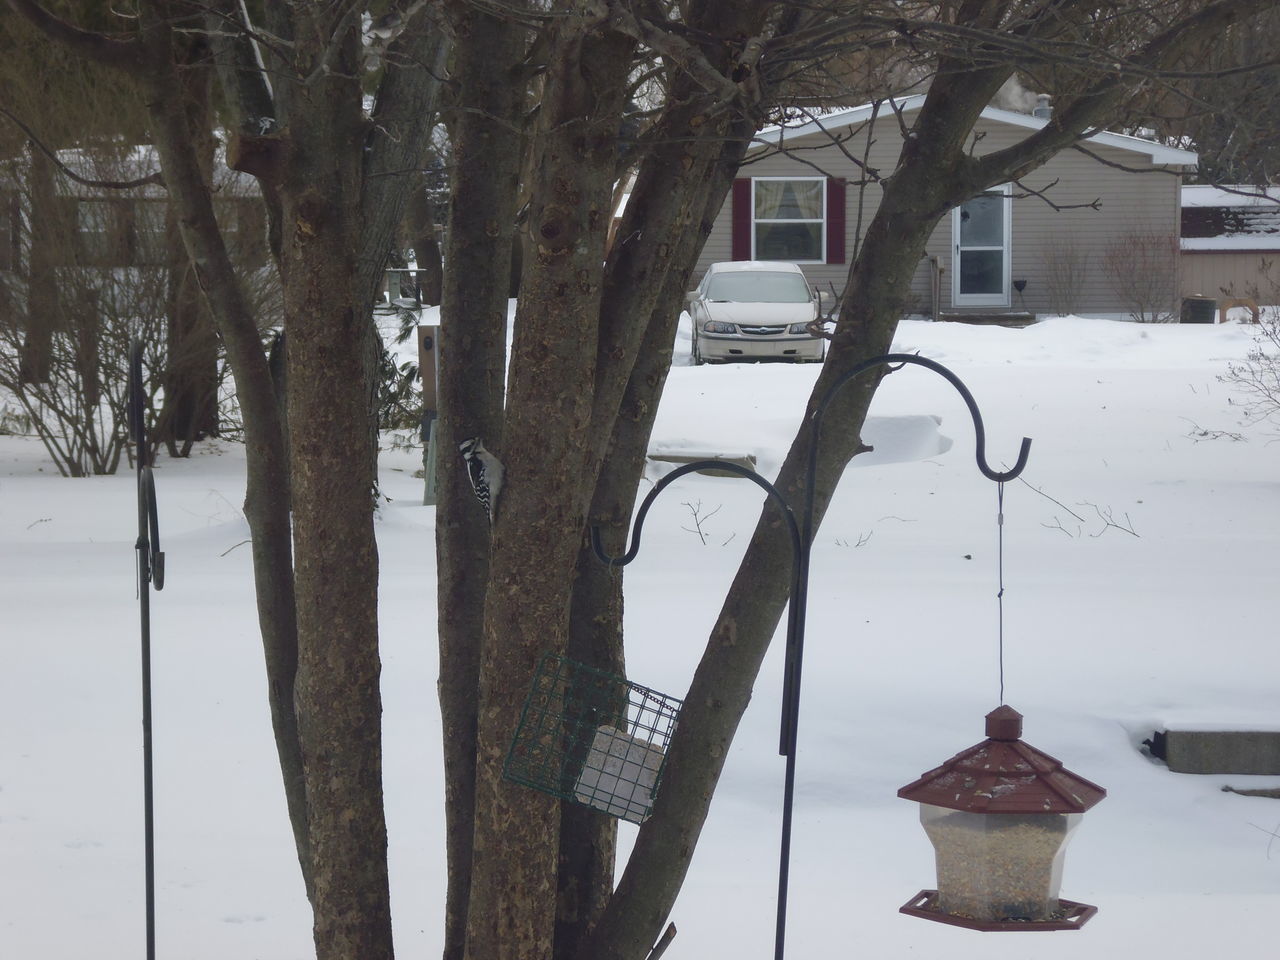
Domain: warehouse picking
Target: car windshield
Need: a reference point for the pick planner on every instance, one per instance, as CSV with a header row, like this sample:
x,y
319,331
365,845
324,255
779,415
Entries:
x,y
758,287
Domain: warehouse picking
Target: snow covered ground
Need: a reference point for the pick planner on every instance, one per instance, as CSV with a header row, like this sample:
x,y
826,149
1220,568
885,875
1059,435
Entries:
x,y
1141,557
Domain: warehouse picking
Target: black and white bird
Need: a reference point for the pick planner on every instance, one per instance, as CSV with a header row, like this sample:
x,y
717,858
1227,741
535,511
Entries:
x,y
484,470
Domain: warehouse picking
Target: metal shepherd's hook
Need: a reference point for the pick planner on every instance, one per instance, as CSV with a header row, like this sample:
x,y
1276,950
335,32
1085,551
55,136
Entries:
x,y
802,543
150,572
800,600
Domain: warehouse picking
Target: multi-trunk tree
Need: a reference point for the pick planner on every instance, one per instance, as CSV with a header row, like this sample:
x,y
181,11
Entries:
x,y
525,598
542,114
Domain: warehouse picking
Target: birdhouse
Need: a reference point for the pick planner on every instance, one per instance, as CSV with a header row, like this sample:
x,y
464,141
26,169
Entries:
x,y
999,815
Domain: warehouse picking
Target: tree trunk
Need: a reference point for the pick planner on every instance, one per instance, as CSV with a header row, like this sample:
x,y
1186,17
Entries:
x,y
472,369
267,501
513,892
321,158
190,409
420,226
678,191
48,238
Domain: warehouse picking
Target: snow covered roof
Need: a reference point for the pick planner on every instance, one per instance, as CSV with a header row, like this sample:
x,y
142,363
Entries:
x,y
1248,243
1230,195
849,116
1230,218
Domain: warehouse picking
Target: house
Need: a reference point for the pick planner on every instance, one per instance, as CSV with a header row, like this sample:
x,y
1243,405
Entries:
x,y
1231,242
83,225
1107,240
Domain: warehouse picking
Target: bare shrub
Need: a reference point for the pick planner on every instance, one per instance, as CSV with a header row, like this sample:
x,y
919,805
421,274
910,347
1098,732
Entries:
x,y
1257,376
78,408
84,271
1066,267
1141,267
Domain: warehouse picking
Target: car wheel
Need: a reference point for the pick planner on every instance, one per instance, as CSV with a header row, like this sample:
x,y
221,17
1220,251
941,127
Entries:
x,y
695,355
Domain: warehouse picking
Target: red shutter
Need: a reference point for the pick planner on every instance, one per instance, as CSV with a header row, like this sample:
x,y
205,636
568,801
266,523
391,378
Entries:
x,y
835,220
741,246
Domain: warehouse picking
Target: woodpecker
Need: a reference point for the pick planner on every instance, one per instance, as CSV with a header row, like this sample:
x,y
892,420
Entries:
x,y
484,470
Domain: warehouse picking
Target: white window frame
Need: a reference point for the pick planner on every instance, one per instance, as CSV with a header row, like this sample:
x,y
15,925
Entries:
x,y
822,243
1004,297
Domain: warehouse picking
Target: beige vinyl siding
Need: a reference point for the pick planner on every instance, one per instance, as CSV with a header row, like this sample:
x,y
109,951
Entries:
x,y
1232,274
1128,203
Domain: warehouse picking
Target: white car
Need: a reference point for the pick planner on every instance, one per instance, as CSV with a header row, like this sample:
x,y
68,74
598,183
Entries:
x,y
754,310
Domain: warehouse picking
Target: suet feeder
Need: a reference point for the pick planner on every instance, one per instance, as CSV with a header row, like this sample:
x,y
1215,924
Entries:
x,y
593,738
999,815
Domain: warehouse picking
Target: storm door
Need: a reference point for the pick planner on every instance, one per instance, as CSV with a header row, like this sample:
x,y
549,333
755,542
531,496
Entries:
x,y
980,234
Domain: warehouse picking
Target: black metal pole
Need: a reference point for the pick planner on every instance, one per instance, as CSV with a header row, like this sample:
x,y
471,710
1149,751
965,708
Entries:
x,y
148,793
150,563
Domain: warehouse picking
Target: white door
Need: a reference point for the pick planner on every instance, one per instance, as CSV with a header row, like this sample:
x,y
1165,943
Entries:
x,y
980,241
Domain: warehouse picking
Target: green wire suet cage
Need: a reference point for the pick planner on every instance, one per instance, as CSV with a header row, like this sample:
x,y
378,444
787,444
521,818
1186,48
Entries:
x,y
593,738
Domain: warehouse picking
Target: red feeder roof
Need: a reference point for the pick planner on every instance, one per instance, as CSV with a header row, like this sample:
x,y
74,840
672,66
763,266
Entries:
x,y
1004,775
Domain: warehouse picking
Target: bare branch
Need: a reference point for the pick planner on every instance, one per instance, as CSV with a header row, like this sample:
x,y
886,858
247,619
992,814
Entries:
x,y
1079,118
121,53
677,49
1094,204
156,177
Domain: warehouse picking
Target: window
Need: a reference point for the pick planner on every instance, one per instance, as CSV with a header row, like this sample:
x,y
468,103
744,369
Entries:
x,y
9,221
788,219
799,219
753,287
95,226
149,238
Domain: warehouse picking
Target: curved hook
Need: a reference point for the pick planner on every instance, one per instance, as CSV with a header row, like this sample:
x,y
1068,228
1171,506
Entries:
x,y
676,474
979,430
151,559
149,531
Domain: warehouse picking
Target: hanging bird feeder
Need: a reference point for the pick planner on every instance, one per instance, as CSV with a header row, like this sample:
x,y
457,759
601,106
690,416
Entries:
x,y
999,815
593,738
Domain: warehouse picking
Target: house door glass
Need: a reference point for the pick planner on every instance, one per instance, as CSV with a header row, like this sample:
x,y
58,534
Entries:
x,y
981,234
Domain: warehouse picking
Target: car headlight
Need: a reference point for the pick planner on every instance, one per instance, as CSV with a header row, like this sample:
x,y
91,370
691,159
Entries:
x,y
715,326
799,328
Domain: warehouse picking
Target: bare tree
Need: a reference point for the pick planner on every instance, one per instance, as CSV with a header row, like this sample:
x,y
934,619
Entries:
x,y
333,178
969,51
529,876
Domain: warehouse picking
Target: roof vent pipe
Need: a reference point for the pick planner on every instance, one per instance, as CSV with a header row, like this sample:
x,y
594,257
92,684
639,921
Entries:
x,y
1042,108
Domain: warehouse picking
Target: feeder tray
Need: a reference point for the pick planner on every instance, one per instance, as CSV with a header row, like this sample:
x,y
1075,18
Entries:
x,y
593,738
1070,915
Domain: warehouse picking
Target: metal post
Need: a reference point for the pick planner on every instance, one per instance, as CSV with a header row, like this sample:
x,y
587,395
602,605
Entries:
x,y
429,497
150,564
428,370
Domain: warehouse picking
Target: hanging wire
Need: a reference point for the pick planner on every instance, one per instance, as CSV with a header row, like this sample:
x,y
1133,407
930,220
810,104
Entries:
x,y
1000,577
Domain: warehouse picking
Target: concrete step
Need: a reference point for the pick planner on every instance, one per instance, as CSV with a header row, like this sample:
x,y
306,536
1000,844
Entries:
x,y
990,319
1203,749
